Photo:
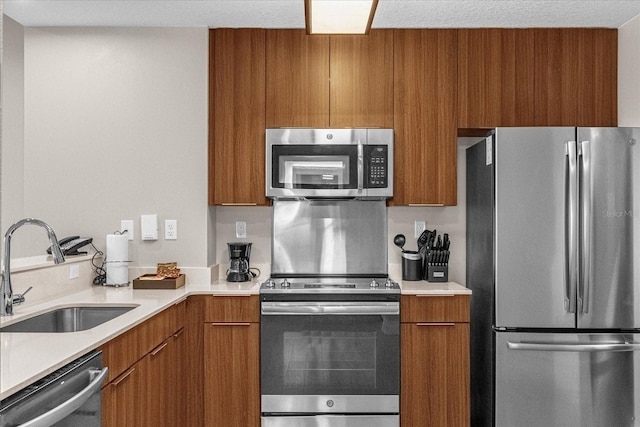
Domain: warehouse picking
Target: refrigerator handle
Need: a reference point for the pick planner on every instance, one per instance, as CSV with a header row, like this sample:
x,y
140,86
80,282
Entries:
x,y
582,348
584,200
570,228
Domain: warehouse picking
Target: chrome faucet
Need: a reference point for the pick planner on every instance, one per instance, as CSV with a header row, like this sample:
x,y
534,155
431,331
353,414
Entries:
x,y
8,298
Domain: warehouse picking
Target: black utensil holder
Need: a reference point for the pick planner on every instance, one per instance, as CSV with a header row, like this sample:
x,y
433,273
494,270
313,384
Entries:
x,y
437,273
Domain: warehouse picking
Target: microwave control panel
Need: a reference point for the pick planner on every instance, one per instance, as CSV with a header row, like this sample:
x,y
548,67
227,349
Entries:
x,y
376,166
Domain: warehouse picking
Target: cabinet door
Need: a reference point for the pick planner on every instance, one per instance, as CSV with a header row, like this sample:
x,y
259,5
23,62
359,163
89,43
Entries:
x,y
576,77
297,79
425,78
435,375
237,117
124,402
232,374
495,77
361,71
161,391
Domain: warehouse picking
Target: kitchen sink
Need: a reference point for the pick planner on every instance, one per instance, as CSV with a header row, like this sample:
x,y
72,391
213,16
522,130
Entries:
x,y
68,319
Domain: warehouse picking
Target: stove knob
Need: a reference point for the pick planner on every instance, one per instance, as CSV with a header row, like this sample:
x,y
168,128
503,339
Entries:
x,y
389,283
373,284
285,284
270,283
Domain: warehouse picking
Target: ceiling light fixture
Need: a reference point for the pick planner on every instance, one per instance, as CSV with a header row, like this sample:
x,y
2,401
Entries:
x,y
339,16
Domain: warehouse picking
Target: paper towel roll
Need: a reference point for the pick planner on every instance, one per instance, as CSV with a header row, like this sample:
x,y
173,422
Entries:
x,y
117,259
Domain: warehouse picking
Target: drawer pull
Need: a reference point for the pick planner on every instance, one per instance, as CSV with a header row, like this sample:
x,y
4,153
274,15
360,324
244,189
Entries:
x,y
177,334
434,295
239,204
426,205
232,295
437,324
159,348
231,324
123,377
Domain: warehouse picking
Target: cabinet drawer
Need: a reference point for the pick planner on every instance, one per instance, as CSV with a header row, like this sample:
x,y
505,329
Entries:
x,y
233,308
434,308
126,349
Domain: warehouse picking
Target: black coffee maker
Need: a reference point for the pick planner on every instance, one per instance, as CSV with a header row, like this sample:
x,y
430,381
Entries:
x,y
239,254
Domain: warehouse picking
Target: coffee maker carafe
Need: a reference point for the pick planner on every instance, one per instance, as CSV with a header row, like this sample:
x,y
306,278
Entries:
x,y
239,262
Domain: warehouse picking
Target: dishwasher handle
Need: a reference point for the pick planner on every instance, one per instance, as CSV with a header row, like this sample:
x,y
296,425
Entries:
x,y
70,406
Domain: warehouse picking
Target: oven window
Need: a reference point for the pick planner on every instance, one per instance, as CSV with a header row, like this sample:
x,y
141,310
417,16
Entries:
x,y
314,167
339,360
344,355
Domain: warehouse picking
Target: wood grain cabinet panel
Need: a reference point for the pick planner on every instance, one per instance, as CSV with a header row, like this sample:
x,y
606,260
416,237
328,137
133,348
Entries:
x,y
495,77
237,116
233,308
435,375
232,374
297,79
576,77
361,71
123,399
425,79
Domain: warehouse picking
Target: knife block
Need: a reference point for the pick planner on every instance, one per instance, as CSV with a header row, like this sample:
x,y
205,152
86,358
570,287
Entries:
x,y
437,273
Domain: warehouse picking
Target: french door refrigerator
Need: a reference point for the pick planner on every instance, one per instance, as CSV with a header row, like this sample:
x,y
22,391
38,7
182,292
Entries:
x,y
552,231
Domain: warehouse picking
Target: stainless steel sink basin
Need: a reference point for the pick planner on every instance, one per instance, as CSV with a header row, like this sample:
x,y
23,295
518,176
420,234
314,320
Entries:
x,y
68,319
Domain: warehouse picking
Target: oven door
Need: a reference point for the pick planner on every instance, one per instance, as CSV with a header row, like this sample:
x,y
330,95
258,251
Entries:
x,y
330,357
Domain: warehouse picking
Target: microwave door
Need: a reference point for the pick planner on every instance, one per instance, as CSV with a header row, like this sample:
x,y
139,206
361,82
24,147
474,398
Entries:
x,y
315,174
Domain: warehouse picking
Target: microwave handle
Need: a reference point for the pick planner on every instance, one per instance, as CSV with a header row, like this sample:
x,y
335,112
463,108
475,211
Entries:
x,y
360,167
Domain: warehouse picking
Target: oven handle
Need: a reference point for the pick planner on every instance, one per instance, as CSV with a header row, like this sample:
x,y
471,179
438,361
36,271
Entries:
x,y
323,308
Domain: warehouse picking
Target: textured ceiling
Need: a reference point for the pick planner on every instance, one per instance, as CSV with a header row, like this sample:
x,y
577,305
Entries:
x,y
290,13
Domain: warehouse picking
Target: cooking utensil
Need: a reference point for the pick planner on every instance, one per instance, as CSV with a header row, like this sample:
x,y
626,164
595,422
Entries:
x,y
399,240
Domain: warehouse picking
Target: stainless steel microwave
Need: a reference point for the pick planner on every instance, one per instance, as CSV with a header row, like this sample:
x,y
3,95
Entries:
x,y
329,163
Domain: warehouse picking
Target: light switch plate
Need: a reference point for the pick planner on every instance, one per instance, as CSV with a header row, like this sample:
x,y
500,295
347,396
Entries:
x,y
149,227
419,228
74,271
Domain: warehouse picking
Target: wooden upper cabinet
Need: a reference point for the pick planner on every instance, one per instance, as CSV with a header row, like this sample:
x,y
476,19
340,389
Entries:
x,y
297,79
576,77
361,71
237,117
495,77
425,79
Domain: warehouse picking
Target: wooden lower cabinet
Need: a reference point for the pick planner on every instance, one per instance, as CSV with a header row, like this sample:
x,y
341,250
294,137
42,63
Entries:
x,y
123,398
149,388
232,374
435,388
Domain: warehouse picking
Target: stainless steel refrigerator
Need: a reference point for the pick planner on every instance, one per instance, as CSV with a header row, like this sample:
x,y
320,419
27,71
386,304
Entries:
x,y
552,230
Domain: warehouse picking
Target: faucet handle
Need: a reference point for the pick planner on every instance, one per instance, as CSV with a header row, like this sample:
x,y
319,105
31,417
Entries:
x,y
19,298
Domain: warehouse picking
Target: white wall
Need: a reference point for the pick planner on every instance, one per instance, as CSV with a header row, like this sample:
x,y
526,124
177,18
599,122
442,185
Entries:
x,y
629,73
115,126
12,166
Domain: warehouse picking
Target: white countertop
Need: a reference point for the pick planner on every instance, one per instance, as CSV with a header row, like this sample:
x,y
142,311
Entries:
x,y
27,357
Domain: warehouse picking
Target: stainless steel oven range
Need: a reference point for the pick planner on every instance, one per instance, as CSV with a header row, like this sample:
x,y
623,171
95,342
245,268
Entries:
x,y
330,352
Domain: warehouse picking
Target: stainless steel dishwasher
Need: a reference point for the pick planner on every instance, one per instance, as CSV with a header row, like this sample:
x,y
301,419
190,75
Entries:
x,y
68,397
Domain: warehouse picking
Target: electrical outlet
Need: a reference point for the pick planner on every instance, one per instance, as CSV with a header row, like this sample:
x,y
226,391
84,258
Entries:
x,y
170,229
127,225
241,229
74,271
420,226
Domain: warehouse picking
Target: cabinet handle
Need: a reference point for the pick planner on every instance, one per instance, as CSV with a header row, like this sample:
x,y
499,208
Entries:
x,y
178,333
231,324
231,295
437,324
434,295
238,204
418,205
123,377
159,348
